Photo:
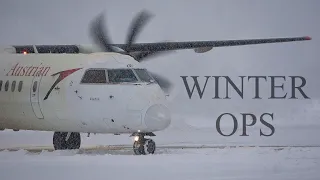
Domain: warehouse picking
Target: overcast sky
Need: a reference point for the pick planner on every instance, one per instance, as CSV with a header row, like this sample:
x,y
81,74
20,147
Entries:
x,y
66,22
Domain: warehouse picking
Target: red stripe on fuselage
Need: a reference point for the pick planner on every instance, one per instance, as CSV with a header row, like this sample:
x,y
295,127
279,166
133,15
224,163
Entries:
x,y
62,75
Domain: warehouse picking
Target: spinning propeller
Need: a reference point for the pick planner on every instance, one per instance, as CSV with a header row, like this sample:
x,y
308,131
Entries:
x,y
101,38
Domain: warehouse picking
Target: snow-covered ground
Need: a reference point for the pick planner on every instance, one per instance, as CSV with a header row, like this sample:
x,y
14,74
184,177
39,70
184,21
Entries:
x,y
172,163
229,163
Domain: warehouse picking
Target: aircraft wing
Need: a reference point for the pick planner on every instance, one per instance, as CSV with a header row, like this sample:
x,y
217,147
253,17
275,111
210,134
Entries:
x,y
203,46
143,50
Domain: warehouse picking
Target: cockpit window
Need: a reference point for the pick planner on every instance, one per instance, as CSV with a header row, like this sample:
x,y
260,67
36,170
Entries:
x,y
143,75
94,76
121,76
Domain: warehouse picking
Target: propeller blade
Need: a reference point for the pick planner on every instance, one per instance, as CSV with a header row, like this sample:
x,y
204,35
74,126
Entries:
x,y
163,82
136,26
99,34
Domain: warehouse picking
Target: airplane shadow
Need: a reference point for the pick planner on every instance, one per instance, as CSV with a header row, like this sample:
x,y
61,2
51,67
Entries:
x,y
89,152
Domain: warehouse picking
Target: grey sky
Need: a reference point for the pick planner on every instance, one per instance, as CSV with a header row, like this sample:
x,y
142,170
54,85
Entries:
x,y
66,22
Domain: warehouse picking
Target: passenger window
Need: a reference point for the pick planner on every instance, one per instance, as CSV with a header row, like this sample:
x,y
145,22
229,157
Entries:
x,y
13,85
20,86
34,87
121,76
94,76
6,86
0,85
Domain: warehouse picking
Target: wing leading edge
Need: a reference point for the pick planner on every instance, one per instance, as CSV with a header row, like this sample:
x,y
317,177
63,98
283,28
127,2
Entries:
x,y
166,46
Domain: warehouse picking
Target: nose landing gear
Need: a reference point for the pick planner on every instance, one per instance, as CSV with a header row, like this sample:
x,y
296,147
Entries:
x,y
142,145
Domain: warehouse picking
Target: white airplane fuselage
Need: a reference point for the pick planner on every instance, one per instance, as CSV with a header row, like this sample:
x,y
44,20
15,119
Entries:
x,y
48,92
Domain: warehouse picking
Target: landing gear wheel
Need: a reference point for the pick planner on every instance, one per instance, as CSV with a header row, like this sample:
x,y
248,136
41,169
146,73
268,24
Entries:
x,y
150,146
144,146
138,148
60,142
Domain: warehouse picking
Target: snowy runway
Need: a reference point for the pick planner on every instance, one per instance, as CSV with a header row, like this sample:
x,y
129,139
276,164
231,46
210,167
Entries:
x,y
183,152
168,163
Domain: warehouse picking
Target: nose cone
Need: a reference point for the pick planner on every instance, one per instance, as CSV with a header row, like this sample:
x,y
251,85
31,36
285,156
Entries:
x,y
157,117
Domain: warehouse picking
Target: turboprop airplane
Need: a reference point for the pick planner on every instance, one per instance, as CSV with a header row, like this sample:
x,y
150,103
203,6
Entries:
x,y
102,88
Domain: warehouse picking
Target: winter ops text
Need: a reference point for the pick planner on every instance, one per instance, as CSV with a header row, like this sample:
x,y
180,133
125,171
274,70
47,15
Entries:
x,y
297,83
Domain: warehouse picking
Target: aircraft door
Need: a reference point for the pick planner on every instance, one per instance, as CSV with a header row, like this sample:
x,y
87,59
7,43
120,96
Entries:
x,y
34,96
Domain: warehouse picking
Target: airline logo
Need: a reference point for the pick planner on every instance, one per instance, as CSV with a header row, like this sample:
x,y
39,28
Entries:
x,y
22,70
62,75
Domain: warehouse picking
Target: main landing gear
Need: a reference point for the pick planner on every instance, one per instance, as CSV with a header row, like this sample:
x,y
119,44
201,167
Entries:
x,y
65,140
72,140
143,146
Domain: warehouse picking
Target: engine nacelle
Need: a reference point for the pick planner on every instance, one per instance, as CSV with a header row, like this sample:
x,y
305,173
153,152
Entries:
x,y
202,50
